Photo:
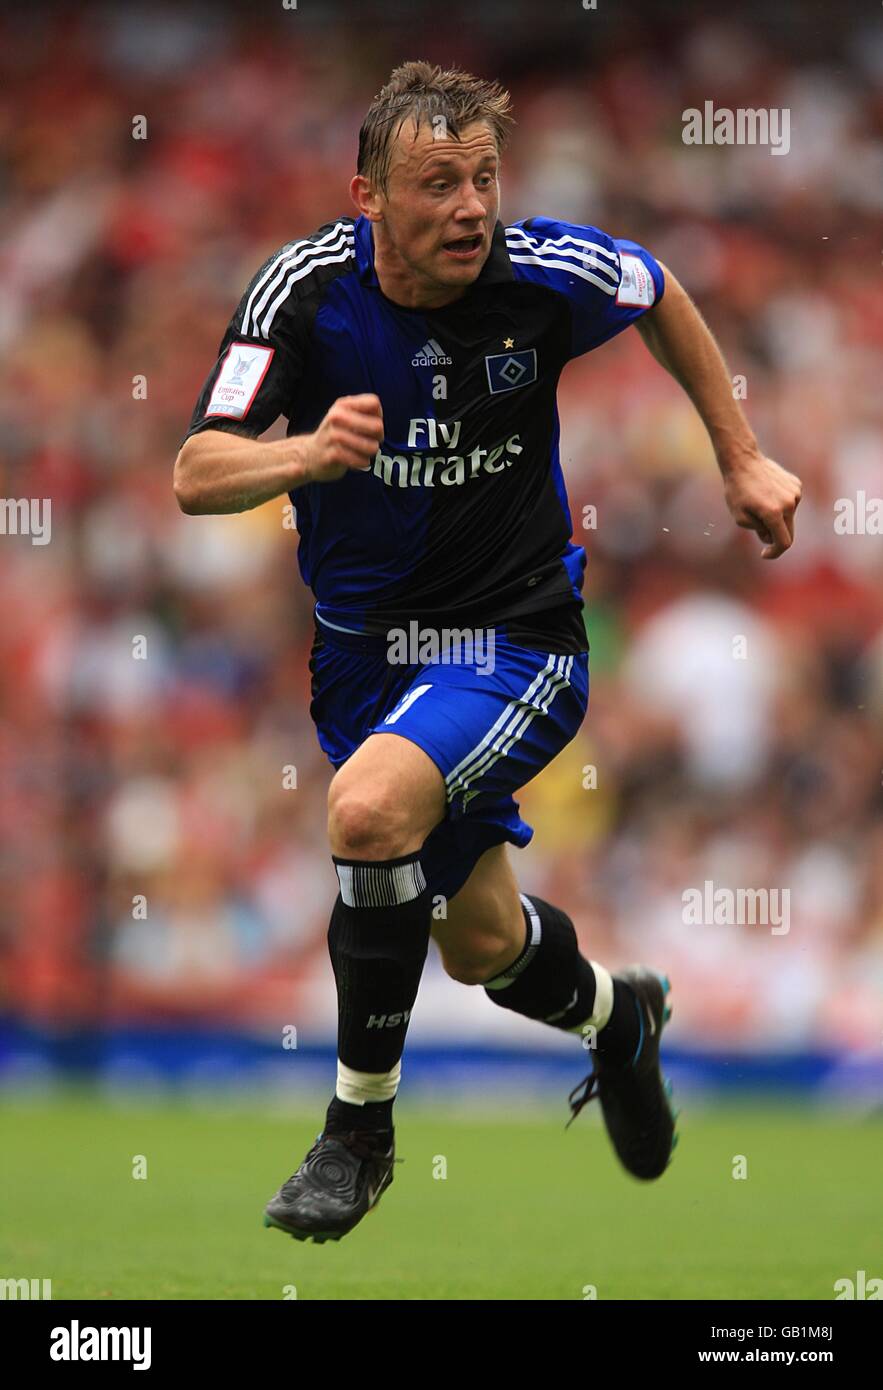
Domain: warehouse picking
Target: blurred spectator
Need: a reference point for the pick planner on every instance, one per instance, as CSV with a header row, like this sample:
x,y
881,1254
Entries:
x,y
154,666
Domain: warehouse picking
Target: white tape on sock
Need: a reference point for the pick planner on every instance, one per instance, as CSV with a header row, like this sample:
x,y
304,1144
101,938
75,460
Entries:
x,y
360,1087
603,1005
531,946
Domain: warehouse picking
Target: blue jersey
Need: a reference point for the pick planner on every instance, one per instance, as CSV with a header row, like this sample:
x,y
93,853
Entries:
x,y
463,518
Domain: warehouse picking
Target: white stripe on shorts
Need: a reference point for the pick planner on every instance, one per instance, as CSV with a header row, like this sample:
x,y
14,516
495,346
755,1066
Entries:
x,y
520,714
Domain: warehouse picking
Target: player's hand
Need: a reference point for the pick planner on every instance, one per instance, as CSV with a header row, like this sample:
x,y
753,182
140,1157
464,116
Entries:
x,y
348,437
763,497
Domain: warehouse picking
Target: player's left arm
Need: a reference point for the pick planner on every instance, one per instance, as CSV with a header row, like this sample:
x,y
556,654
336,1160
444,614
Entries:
x,y
761,495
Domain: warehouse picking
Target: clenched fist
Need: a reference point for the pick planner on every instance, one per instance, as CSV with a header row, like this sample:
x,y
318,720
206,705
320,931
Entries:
x,y
763,497
348,437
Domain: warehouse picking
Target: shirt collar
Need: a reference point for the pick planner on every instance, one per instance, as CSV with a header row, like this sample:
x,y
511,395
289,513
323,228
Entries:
x,y
496,269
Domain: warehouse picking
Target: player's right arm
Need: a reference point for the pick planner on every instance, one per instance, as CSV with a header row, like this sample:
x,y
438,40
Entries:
x,y
219,471
263,370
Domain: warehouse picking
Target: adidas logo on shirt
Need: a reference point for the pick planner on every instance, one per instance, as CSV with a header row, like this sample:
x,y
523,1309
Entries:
x,y
432,354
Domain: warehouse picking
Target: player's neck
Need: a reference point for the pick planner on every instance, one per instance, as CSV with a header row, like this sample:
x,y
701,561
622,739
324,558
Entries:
x,y
399,283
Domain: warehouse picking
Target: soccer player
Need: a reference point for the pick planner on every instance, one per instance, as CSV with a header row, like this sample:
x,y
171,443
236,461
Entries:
x,y
415,351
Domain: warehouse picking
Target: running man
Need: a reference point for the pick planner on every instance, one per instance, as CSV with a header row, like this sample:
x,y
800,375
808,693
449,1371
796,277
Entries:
x,y
415,351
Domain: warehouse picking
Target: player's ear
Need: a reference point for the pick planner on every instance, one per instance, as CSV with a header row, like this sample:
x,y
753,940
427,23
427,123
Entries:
x,y
366,198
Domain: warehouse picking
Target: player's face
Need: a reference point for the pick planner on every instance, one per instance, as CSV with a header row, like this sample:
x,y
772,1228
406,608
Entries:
x,y
438,215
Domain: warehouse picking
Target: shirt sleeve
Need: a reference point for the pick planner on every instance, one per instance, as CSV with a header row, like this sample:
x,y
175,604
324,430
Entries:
x,y
609,282
261,361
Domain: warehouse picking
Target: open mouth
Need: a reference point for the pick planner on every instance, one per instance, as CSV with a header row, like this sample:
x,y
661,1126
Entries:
x,y
464,247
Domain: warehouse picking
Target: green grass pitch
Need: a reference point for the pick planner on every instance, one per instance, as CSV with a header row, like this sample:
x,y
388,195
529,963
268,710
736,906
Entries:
x,y
525,1211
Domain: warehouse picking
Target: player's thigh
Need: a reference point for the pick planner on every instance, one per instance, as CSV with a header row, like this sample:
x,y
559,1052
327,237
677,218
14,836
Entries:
x,y
484,922
385,799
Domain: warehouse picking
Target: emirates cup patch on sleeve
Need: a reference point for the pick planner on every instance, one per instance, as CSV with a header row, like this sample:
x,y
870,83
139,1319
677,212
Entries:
x,y
636,286
242,371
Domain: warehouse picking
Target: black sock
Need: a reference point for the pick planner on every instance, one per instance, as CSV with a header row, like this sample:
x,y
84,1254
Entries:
x,y
551,982
372,1116
377,940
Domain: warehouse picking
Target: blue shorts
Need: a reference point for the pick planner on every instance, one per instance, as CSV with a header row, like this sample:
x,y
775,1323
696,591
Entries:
x,y
490,724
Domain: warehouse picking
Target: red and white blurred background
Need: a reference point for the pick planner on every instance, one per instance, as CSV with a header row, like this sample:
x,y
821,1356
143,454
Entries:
x,y
124,258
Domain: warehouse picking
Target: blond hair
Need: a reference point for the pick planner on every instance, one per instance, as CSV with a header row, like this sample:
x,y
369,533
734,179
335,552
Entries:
x,y
424,93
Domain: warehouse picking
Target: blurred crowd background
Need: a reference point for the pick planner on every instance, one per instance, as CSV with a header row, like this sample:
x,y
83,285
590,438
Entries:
x,y
155,867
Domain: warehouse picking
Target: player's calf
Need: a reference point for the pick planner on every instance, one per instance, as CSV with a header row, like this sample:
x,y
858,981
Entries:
x,y
550,981
623,1017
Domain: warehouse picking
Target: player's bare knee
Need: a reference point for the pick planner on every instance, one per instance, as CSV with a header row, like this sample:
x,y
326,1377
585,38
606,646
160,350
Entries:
x,y
362,825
